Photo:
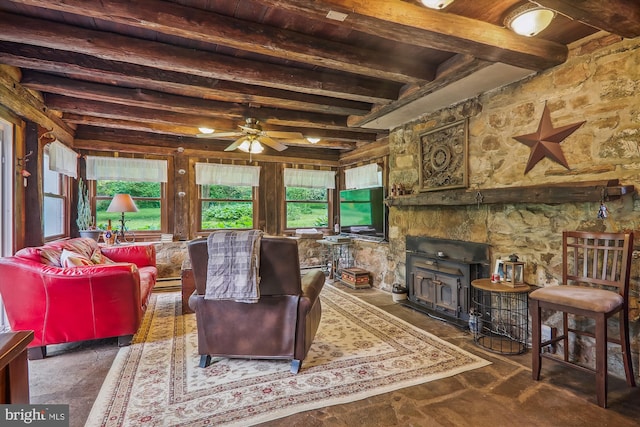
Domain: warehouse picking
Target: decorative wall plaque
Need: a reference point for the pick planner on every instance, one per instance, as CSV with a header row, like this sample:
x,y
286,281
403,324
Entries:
x,y
444,157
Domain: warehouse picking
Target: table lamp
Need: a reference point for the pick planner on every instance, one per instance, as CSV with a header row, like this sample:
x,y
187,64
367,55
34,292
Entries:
x,y
122,203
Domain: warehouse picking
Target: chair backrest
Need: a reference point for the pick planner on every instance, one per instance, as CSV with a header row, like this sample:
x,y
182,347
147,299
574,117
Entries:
x,y
597,259
279,265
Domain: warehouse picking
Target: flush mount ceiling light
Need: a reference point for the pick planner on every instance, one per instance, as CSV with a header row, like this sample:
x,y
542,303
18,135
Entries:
x,y
529,19
206,130
436,4
312,139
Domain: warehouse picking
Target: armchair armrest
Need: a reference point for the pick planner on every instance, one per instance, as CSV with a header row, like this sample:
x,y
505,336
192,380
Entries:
x,y
312,284
141,255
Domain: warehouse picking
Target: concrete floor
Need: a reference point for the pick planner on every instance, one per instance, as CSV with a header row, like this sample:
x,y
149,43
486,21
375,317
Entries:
x,y
501,394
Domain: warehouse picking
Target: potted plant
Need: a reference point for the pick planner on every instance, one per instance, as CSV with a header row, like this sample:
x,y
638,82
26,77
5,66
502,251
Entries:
x,y
85,221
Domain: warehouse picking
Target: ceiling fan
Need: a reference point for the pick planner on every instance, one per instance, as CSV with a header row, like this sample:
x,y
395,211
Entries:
x,y
250,136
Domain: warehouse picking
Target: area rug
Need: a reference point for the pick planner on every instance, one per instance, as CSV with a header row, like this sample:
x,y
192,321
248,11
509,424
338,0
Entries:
x,y
359,351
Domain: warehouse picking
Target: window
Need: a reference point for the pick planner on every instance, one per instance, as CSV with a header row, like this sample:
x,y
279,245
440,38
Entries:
x,y
226,206
307,197
307,207
227,195
143,179
54,207
146,195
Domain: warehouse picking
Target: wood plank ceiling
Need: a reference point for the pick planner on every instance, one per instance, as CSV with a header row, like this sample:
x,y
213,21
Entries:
x,y
151,72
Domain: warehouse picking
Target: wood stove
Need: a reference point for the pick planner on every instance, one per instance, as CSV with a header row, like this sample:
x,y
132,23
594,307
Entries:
x,y
439,274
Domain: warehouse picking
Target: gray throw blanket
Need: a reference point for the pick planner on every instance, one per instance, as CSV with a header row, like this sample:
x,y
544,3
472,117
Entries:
x,y
234,263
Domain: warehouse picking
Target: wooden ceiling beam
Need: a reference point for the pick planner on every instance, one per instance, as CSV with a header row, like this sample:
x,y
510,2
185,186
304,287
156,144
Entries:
x,y
410,23
177,20
90,107
74,107
184,131
87,107
457,68
115,47
90,138
621,17
85,67
18,99
110,123
47,83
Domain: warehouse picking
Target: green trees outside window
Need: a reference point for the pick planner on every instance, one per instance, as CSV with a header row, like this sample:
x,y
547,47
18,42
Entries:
x,y
148,199
226,207
307,207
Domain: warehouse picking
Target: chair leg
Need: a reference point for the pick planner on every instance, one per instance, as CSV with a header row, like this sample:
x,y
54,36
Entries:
x,y
626,347
295,366
205,360
601,360
565,335
536,325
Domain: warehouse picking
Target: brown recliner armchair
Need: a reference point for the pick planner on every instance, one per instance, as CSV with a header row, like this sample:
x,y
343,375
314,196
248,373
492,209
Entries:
x,y
281,325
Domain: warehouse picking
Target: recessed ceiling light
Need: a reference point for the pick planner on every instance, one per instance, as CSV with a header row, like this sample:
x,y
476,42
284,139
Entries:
x,y
337,16
436,4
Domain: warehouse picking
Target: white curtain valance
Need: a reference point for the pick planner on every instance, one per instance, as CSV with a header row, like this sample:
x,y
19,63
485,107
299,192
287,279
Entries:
x,y
122,169
218,174
308,178
363,177
63,159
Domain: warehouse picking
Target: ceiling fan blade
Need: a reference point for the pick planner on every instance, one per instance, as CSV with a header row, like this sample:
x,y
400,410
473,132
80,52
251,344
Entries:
x,y
226,134
272,143
283,135
235,144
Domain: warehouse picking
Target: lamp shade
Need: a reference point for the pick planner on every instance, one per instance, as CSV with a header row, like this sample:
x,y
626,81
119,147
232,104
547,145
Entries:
x,y
122,203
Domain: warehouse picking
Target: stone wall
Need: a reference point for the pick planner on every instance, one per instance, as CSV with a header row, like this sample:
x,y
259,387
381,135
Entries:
x,y
169,256
600,83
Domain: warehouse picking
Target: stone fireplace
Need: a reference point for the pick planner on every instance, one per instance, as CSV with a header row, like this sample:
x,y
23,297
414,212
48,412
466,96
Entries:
x,y
439,274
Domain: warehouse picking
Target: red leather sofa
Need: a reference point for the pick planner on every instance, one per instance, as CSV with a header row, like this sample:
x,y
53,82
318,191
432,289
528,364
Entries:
x,y
103,297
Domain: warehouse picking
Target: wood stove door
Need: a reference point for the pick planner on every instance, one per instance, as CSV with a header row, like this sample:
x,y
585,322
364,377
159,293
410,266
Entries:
x,y
437,291
424,290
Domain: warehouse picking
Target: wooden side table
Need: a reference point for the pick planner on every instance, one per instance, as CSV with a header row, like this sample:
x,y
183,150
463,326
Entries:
x,y
503,323
14,367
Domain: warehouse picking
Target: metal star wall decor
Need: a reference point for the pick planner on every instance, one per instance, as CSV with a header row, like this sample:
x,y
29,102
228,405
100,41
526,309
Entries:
x,y
545,142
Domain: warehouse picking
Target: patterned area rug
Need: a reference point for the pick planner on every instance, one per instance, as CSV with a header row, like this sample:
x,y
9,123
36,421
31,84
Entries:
x,y
359,351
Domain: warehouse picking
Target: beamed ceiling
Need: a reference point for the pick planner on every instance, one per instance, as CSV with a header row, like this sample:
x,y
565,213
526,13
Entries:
x,y
151,72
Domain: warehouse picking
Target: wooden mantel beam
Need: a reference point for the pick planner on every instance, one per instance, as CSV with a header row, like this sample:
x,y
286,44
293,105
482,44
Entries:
x,y
175,19
114,47
407,22
548,194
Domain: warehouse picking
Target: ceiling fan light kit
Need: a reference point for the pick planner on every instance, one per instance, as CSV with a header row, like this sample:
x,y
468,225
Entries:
x,y
251,137
252,146
436,4
529,19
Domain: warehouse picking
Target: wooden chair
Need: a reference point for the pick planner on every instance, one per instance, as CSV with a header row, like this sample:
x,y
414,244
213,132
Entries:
x,y
595,276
